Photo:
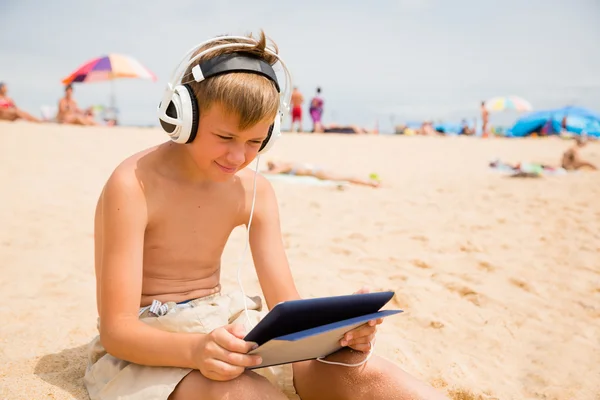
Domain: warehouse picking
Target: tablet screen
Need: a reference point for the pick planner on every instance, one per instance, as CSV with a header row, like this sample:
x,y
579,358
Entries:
x,y
298,315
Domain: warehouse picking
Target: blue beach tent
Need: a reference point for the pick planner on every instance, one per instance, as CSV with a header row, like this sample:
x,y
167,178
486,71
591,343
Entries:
x,y
579,120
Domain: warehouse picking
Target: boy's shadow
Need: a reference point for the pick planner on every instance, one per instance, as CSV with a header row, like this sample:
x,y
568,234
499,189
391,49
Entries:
x,y
65,370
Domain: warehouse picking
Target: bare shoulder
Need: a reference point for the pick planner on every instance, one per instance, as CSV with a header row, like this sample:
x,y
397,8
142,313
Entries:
x,y
265,204
263,186
126,179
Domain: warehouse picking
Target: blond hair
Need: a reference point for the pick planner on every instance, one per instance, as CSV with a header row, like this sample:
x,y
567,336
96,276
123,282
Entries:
x,y
254,98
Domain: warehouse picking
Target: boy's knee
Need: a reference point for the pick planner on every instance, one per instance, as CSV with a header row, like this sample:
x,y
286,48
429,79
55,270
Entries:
x,y
249,386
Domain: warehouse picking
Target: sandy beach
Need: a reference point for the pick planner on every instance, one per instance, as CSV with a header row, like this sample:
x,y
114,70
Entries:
x,y
499,277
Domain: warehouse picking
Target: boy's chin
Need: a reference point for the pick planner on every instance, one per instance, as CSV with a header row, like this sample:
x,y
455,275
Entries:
x,y
219,176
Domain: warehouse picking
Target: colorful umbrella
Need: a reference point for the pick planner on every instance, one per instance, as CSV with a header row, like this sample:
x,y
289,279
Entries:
x,y
508,103
109,67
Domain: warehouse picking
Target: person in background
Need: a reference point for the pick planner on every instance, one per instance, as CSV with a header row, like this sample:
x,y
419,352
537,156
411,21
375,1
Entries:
x,y
316,111
485,119
571,159
304,169
9,110
70,113
296,102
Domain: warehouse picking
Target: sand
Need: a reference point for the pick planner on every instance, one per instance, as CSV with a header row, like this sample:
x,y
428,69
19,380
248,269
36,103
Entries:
x,y
499,277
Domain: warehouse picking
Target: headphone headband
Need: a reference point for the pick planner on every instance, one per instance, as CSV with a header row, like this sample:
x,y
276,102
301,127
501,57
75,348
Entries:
x,y
234,62
178,73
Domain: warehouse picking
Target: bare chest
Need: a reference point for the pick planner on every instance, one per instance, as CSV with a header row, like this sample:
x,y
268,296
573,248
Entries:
x,y
190,226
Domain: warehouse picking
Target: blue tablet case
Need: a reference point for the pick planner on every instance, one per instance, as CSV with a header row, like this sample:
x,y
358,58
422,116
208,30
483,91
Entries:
x,y
307,329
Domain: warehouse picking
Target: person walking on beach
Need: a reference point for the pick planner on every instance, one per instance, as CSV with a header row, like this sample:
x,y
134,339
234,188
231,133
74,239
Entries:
x,y
485,116
316,111
296,102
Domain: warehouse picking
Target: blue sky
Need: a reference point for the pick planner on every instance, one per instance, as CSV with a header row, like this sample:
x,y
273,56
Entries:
x,y
380,60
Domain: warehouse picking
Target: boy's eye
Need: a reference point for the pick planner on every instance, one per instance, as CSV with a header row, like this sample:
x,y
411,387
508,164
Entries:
x,y
224,137
256,141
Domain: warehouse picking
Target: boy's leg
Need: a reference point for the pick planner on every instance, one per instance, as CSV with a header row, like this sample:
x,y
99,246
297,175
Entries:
x,y
376,379
248,386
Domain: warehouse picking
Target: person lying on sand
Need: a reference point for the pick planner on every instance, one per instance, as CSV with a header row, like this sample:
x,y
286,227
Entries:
x,y
9,110
526,169
335,128
70,113
572,160
166,331
301,169
520,166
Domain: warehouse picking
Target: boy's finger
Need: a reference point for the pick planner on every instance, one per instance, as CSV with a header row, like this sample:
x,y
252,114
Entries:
x,y
225,371
377,321
361,340
357,340
364,330
237,330
241,360
230,342
363,290
364,347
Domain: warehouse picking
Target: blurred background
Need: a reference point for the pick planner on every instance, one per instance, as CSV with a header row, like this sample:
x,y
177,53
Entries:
x,y
379,63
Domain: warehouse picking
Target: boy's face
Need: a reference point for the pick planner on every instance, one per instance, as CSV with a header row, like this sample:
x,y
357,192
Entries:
x,y
220,149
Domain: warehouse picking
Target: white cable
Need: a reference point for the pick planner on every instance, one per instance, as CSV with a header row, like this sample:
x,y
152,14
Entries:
x,y
241,261
372,347
239,271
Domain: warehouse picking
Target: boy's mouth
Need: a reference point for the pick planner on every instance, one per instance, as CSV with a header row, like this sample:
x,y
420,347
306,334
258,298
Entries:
x,y
227,170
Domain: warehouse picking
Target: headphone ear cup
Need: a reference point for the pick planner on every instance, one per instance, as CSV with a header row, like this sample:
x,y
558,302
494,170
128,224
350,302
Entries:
x,y
195,113
171,112
273,135
186,108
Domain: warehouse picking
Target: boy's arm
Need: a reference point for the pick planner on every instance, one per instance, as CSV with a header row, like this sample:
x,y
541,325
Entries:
x,y
268,252
123,221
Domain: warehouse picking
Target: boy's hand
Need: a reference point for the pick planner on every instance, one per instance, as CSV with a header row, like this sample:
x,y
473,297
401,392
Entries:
x,y
361,338
222,353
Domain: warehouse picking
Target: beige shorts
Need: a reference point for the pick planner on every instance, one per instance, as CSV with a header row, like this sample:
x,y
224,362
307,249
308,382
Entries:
x,y
108,378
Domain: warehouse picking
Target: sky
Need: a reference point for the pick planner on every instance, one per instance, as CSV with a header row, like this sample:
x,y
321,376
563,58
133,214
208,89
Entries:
x,y
378,61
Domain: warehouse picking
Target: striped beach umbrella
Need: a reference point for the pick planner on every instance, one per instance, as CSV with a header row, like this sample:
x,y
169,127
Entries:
x,y
502,103
109,67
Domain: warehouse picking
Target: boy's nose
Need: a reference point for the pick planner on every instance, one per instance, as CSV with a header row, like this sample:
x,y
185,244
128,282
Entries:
x,y
236,155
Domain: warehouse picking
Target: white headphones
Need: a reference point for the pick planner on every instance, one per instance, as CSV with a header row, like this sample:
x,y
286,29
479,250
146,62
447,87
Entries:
x,y
178,112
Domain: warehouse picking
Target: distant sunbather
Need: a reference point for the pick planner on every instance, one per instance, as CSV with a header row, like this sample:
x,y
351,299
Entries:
x,y
70,113
9,110
526,169
571,159
301,169
335,128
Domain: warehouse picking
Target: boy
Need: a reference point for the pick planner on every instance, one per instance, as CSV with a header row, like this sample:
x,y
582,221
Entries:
x,y
161,224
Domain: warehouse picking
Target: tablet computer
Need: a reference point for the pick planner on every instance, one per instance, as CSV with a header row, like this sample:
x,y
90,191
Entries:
x,y
306,329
